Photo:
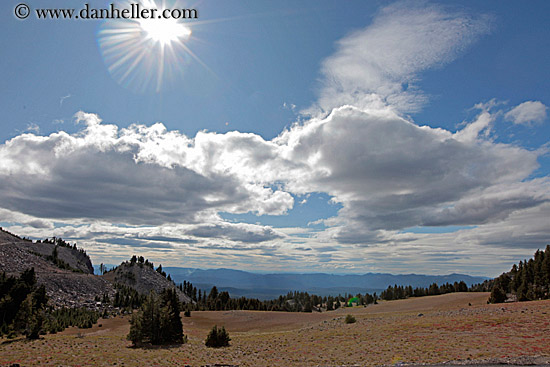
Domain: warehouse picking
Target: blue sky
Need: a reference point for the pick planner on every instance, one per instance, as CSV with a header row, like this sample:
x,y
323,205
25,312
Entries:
x,y
307,136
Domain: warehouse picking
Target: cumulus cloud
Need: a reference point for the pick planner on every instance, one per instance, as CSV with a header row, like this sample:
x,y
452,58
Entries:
x,y
139,175
527,112
390,174
387,172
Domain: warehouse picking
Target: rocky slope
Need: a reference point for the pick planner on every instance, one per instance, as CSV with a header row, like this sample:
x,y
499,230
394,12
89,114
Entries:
x,y
142,278
74,286
67,272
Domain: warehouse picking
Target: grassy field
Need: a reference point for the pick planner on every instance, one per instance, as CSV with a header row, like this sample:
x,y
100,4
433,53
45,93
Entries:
x,y
424,330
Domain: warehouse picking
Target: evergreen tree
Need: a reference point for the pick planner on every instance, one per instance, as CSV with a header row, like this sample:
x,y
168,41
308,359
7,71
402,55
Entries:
x,y
171,325
158,321
213,293
498,295
330,304
22,305
530,279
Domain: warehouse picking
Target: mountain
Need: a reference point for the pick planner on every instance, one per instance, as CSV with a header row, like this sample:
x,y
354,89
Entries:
x,y
268,286
65,271
143,278
68,274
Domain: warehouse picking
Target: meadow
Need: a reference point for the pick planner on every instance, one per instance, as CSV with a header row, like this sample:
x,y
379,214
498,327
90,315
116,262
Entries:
x,y
452,327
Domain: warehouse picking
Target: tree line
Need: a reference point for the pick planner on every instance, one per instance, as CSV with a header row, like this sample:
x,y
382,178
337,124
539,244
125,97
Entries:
x,y
401,292
24,310
305,302
527,281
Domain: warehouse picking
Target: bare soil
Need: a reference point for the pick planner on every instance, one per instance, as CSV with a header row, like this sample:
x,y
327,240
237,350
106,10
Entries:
x,y
453,327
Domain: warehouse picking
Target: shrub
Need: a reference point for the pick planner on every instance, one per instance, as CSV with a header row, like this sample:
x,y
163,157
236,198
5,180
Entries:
x,y
350,319
217,338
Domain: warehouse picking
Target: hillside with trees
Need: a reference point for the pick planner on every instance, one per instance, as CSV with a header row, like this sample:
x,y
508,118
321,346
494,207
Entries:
x,y
64,269
140,275
527,281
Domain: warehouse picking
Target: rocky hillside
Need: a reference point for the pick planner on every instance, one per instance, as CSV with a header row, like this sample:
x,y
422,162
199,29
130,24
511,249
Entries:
x,y
143,278
65,271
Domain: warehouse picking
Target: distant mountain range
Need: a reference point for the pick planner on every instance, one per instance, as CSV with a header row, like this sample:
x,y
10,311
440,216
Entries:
x,y
69,278
268,286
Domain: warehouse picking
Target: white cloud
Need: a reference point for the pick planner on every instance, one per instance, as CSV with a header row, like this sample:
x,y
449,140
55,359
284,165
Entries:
x,y
391,174
388,174
239,232
378,65
32,127
527,112
62,99
143,175
33,222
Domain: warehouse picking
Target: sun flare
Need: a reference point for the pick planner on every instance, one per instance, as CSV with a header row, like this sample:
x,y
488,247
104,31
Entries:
x,y
164,31
147,55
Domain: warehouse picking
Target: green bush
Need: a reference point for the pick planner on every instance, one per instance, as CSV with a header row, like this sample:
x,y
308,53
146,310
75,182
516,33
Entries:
x,y
217,338
350,319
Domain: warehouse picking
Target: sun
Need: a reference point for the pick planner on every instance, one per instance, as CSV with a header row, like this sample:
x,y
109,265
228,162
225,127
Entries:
x,y
164,31
147,55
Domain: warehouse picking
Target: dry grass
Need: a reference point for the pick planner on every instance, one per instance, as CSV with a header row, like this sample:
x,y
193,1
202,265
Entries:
x,y
387,333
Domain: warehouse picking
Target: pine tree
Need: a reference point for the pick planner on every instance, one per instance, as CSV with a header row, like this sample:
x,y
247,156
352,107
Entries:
x,y
498,295
136,328
330,303
171,325
21,305
158,321
546,270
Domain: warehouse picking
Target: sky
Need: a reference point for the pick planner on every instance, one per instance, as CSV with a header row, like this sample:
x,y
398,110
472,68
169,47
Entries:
x,y
282,136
